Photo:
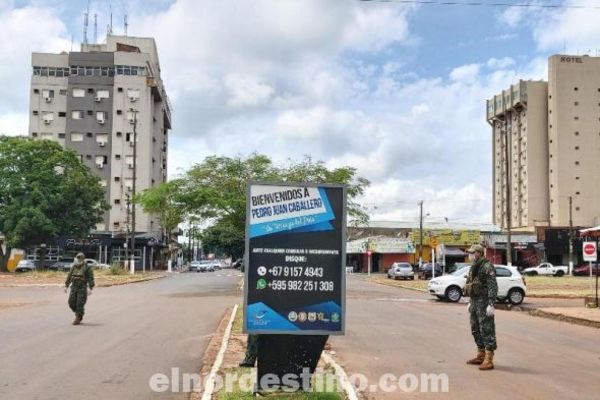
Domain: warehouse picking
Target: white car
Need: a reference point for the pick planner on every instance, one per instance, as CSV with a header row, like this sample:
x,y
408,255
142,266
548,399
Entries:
x,y
511,285
547,269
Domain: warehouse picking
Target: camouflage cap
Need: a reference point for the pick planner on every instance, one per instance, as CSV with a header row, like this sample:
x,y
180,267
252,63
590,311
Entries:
x,y
476,248
80,256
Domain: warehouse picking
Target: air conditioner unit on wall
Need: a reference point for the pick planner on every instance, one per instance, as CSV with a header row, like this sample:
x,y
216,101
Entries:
x,y
101,121
98,99
101,144
99,165
48,99
47,121
132,98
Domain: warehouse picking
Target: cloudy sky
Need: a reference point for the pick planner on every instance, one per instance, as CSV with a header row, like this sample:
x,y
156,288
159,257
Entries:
x,y
396,90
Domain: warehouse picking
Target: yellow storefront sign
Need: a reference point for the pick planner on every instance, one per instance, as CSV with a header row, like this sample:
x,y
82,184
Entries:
x,y
446,237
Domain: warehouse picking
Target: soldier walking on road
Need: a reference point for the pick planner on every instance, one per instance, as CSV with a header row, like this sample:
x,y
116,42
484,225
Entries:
x,y
482,288
80,277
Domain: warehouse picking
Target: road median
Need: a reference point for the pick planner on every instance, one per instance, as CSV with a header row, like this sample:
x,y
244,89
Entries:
x,y
103,278
237,383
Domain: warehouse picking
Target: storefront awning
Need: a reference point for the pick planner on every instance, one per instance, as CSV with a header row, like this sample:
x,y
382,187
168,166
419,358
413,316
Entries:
x,y
454,252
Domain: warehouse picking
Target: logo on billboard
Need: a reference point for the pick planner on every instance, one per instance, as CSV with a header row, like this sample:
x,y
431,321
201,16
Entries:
x,y
261,271
302,316
293,316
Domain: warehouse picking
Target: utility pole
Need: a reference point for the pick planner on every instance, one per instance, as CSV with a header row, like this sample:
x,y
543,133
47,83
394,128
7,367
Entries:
x,y
508,199
570,235
420,232
128,201
133,191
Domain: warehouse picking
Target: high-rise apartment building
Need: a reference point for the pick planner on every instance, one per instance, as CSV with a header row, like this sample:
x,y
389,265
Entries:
x,y
546,138
91,101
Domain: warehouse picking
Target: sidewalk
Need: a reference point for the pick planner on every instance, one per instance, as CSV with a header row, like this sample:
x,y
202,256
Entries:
x,y
580,316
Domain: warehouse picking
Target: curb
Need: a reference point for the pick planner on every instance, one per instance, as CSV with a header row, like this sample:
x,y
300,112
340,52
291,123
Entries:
x,y
152,278
565,318
210,354
342,376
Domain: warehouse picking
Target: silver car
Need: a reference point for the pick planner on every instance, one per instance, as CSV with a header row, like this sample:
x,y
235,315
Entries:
x,y
401,270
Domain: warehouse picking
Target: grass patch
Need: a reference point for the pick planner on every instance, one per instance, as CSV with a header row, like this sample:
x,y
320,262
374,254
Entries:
x,y
238,393
238,322
102,277
415,284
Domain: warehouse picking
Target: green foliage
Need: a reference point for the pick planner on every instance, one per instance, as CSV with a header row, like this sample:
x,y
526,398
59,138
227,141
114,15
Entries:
x,y
216,189
45,192
164,201
116,269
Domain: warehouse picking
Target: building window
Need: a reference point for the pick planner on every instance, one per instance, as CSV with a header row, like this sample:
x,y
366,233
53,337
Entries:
x,y
78,93
117,178
76,137
35,112
62,92
576,103
62,114
89,134
91,90
119,112
102,139
576,88
78,114
576,147
120,90
101,117
117,156
577,208
117,201
576,178
101,161
102,94
576,118
576,162
61,135
577,193
119,134
88,157
36,91
90,112
576,133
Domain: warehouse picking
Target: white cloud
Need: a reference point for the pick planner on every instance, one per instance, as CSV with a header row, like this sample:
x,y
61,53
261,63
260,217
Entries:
x,y
25,30
500,63
247,91
465,73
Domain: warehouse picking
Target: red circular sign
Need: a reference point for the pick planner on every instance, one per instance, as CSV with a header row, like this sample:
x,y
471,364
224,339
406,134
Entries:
x,y
589,249
369,253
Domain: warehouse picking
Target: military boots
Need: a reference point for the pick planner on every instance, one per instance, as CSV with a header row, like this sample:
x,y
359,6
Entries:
x,y
488,362
77,320
478,359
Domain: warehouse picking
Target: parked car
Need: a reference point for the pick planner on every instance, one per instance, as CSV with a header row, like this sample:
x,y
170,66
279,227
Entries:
x,y
584,269
511,285
547,269
194,266
401,270
25,266
425,271
62,265
237,263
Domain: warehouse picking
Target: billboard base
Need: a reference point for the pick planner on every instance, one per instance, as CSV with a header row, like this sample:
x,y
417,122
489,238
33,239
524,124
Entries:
x,y
288,362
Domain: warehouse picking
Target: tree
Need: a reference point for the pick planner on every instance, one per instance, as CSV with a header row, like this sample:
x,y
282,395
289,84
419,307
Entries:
x,y
216,188
164,201
45,192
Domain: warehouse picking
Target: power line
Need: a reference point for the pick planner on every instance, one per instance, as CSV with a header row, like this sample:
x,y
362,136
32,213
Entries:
x,y
482,4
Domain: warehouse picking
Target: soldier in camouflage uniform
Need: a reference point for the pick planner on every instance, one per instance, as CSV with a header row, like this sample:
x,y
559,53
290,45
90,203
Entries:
x,y
482,288
80,277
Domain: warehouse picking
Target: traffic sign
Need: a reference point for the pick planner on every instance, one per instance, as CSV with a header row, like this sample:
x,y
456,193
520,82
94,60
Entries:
x,y
590,251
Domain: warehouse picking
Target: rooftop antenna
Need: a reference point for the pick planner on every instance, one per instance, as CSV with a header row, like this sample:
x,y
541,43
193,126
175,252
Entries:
x,y
109,30
95,28
86,22
125,24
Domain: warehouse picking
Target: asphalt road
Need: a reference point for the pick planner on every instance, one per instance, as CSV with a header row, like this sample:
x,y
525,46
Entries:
x,y
129,333
399,331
